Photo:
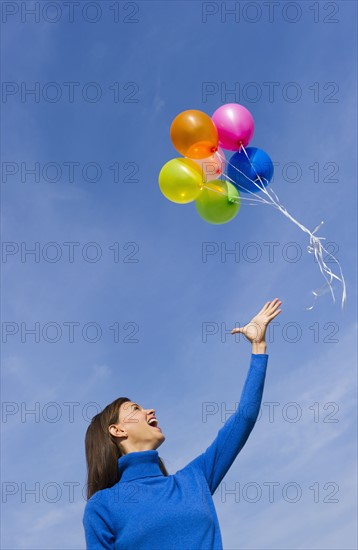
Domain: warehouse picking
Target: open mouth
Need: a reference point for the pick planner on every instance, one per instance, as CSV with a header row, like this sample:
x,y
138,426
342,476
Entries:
x,y
153,423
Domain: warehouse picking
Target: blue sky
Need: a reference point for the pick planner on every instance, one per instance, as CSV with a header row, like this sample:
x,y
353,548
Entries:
x,y
159,306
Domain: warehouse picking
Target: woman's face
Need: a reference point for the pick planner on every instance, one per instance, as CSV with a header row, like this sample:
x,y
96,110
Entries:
x,y
136,428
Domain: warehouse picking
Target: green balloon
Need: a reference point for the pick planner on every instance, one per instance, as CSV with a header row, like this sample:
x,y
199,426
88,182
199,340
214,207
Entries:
x,y
218,202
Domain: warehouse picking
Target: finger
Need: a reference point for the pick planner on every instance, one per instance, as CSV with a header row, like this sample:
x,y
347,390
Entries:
x,y
265,307
235,330
273,315
273,306
269,305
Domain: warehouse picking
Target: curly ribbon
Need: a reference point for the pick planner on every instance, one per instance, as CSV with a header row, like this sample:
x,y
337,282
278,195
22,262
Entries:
x,y
315,247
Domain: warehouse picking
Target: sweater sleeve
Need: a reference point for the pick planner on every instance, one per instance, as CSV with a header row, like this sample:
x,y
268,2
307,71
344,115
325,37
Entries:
x,y
219,456
96,523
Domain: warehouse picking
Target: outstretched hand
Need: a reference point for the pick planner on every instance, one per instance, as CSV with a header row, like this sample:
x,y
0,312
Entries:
x,y
255,330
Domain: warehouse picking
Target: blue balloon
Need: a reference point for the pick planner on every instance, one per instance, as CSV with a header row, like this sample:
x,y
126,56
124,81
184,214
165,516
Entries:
x,y
261,164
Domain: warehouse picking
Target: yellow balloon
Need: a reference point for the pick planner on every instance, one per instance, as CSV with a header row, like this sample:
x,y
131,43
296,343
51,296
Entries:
x,y
180,180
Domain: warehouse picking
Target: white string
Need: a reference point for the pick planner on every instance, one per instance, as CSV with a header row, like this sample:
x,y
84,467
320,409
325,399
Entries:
x,y
256,197
315,245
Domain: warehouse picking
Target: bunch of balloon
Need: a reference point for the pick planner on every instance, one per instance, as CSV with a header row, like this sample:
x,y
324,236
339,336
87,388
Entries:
x,y
200,174
197,175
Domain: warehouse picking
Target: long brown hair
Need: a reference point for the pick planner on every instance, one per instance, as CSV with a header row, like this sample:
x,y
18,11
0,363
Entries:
x,y
102,450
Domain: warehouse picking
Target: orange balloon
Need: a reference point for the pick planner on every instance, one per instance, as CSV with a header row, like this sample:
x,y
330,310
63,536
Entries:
x,y
194,134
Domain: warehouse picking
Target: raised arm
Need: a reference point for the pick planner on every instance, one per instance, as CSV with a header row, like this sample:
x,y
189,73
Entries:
x,y
219,456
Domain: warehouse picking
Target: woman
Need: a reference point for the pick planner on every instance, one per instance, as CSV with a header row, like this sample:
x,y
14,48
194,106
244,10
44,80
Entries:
x,y
134,504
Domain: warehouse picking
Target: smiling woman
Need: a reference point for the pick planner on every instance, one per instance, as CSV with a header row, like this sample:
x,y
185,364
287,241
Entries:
x,y
114,432
133,503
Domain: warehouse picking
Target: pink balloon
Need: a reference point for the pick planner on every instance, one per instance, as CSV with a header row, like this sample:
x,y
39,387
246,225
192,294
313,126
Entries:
x,y
212,167
235,126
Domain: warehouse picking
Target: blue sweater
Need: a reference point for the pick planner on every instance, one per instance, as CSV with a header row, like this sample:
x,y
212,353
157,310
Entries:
x,y
147,510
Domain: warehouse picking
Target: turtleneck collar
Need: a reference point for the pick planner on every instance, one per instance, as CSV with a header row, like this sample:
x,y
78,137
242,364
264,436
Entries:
x,y
139,464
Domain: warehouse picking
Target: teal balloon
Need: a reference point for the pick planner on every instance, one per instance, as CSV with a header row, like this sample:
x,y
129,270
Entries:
x,y
218,202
